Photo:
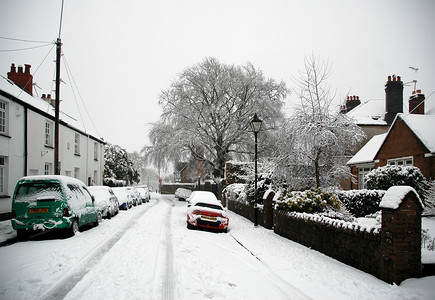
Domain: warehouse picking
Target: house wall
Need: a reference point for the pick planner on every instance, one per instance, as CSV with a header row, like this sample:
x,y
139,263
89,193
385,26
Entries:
x,y
401,142
12,150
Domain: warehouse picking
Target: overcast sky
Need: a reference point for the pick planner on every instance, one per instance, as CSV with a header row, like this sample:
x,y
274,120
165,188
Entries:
x,y
123,53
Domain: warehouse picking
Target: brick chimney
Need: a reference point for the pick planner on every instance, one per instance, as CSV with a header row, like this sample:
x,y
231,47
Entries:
x,y
352,102
416,103
393,98
23,79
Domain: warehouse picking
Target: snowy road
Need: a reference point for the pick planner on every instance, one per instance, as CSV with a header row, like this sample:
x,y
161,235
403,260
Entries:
x,y
148,253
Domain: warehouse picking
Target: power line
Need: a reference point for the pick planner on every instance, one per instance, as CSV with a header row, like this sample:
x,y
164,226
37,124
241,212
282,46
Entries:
x,y
22,40
21,49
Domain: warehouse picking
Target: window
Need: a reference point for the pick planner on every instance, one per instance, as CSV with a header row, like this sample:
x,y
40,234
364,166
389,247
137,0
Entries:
x,y
95,151
95,177
76,172
2,176
362,172
77,144
48,133
3,118
47,169
401,161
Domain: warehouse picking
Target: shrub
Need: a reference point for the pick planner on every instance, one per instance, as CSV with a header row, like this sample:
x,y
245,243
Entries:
x,y
307,201
385,177
361,202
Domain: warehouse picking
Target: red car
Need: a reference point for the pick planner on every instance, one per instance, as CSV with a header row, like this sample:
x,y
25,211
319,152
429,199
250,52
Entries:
x,y
204,210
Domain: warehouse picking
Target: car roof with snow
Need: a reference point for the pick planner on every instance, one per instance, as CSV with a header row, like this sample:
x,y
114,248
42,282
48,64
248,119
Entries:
x,y
204,197
60,178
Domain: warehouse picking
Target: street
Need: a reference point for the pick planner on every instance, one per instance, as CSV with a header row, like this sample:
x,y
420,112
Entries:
x,y
148,253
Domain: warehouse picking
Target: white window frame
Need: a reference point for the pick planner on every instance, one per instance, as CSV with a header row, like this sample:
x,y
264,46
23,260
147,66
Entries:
x,y
47,169
4,116
362,172
77,143
48,129
401,161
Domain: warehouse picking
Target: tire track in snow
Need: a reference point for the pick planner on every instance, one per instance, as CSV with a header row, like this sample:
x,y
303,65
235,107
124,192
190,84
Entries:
x,y
69,281
164,284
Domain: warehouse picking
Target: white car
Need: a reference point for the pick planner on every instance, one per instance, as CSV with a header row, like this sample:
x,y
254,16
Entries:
x,y
106,199
182,194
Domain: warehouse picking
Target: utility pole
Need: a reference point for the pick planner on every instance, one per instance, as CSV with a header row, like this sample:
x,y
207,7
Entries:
x,y
57,109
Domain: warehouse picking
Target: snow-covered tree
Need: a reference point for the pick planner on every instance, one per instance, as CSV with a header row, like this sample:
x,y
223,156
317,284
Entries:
x,y
207,109
316,137
117,164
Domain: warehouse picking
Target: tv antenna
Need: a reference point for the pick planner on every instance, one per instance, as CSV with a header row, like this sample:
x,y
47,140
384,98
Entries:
x,y
413,68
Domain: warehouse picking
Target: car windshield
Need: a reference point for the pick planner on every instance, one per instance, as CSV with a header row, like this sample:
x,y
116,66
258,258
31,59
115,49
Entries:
x,y
209,205
31,191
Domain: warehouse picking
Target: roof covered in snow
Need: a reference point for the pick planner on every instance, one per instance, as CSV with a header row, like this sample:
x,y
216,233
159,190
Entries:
x,y
371,112
9,87
395,195
423,127
367,153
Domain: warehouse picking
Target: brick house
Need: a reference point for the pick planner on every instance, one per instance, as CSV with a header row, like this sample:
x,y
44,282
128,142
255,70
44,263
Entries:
x,y
410,141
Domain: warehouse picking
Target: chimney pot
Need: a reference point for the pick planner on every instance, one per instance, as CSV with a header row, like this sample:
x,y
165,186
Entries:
x,y
398,78
389,78
13,69
418,91
20,69
43,96
27,69
48,96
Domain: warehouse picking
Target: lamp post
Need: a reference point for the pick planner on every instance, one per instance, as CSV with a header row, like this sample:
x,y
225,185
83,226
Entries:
x,y
255,126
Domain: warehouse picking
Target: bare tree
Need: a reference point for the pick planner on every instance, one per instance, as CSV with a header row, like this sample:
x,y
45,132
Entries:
x,y
206,112
317,135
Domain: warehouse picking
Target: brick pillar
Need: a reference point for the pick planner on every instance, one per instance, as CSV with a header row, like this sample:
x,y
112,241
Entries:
x,y
268,210
400,235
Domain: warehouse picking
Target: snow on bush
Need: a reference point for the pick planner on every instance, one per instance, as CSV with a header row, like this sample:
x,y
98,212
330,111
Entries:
x,y
308,201
236,192
385,177
361,202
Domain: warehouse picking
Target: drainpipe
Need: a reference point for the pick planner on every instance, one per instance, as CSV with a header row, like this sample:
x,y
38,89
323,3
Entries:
x,y
25,141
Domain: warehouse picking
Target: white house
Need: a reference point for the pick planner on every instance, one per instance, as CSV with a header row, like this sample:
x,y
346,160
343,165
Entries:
x,y
27,127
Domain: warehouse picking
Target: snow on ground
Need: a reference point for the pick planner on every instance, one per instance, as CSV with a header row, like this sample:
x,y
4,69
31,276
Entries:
x,y
148,253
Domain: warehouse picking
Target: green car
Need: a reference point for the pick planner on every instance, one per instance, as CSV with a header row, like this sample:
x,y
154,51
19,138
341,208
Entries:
x,y
52,202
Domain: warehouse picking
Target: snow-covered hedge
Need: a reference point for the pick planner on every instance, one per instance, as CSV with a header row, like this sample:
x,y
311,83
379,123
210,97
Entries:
x,y
361,202
385,177
236,192
307,201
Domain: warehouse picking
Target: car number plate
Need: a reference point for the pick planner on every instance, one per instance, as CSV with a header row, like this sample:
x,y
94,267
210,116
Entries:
x,y
38,210
208,218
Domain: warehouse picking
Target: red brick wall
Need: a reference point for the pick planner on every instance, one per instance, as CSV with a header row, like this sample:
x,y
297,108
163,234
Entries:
x,y
402,142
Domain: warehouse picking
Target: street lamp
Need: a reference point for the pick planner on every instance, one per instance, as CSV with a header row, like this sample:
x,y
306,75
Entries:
x,y
255,126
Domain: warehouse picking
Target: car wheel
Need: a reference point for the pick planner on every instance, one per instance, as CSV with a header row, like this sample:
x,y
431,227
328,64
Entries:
x,y
99,218
190,226
74,228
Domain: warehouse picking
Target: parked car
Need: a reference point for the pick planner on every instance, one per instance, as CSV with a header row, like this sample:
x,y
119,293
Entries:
x,y
124,197
134,195
205,210
105,198
144,193
52,202
182,194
